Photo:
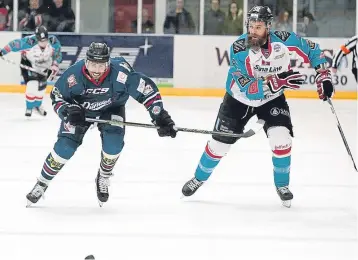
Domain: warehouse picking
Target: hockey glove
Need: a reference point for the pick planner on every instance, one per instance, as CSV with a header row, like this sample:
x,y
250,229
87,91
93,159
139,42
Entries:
x,y
288,79
325,87
75,115
166,124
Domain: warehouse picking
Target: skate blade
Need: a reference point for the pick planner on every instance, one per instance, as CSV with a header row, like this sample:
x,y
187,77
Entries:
x,y
286,203
29,203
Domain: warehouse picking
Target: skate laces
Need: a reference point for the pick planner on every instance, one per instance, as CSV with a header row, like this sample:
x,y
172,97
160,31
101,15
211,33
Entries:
x,y
38,190
283,190
103,183
194,184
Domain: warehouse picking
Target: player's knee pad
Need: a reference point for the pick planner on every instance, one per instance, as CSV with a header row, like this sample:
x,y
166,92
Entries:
x,y
227,125
112,142
66,147
280,141
218,148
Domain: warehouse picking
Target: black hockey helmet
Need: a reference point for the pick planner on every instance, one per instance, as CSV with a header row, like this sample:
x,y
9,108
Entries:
x,y
41,33
98,52
260,14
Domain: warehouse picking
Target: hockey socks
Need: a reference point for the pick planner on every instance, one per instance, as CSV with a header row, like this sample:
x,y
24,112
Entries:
x,y
52,165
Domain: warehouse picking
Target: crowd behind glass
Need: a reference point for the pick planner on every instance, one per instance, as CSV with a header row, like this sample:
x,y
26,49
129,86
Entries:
x,y
315,18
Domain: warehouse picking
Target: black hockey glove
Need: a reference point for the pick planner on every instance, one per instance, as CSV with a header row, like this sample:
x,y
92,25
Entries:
x,y
288,79
166,124
75,115
324,84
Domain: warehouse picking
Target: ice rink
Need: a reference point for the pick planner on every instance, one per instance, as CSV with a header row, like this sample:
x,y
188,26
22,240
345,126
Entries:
x,y
235,215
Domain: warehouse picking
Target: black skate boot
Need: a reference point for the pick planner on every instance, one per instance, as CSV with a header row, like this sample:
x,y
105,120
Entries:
x,y
41,111
285,195
102,184
191,187
28,112
36,193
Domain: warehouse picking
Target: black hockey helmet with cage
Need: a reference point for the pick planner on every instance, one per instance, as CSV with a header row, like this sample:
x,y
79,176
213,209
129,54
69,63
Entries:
x,y
260,14
41,33
98,52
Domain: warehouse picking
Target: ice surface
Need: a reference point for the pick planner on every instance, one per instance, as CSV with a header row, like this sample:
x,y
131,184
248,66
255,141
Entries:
x,y
235,215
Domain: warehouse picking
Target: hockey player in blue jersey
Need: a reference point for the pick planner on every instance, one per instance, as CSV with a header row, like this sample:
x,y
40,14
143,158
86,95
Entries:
x,y
258,75
43,53
98,87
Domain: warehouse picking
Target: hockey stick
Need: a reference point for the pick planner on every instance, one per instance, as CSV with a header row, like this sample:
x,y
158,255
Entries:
x,y
341,132
24,67
258,126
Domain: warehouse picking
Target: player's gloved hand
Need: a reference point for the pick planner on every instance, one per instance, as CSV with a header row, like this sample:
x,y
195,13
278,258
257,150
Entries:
x,y
54,70
166,124
324,84
75,115
288,79
1,53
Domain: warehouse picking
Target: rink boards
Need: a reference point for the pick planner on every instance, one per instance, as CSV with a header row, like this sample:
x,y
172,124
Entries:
x,y
181,65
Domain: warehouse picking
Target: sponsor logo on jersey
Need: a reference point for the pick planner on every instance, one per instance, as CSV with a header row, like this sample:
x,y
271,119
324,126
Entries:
x,y
267,69
253,88
280,56
96,105
277,47
283,35
96,91
238,46
71,80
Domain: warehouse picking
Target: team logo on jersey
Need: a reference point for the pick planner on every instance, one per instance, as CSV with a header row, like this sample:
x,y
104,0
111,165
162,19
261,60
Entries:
x,y
276,47
71,80
283,35
239,45
243,80
311,44
122,77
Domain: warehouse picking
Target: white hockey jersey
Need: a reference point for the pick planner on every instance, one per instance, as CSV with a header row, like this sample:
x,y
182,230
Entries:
x,y
248,67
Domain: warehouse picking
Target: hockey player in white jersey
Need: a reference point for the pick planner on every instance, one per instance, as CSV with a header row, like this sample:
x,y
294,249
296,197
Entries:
x,y
258,75
43,53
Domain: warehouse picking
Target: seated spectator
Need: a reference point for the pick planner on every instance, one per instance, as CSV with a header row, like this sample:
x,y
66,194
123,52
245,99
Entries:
x,y
310,26
122,24
283,24
214,19
61,18
233,21
3,19
147,24
179,20
31,16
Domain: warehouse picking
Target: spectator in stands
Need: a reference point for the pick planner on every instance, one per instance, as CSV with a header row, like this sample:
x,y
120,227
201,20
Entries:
x,y
310,27
3,19
283,23
61,18
31,16
179,20
214,19
122,23
147,24
233,21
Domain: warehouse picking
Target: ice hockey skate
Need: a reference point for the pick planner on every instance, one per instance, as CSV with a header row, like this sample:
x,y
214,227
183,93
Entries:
x,y
285,195
41,111
102,184
191,187
28,112
36,193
